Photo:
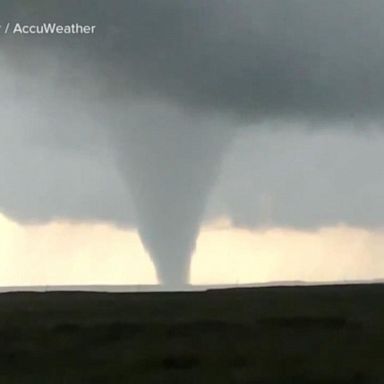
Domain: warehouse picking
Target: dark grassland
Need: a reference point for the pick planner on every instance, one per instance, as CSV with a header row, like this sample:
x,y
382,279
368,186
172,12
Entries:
x,y
295,335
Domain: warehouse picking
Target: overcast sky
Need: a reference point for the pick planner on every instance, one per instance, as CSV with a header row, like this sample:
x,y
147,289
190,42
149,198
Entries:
x,y
177,113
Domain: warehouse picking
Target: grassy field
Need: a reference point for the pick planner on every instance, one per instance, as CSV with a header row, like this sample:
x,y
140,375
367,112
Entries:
x,y
287,335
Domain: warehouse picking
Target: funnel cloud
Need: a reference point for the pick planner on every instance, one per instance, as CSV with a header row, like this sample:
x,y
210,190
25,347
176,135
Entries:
x,y
157,94
170,176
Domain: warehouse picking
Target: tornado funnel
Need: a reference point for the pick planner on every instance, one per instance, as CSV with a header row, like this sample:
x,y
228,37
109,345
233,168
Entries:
x,y
170,164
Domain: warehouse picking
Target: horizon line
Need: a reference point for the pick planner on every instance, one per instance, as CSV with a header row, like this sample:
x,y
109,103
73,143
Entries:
x,y
116,288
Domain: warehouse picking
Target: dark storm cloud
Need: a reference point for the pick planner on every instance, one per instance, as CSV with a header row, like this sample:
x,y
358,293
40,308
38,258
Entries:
x,y
255,59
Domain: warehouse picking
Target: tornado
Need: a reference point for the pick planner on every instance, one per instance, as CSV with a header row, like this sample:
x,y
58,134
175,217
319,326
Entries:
x,y
170,162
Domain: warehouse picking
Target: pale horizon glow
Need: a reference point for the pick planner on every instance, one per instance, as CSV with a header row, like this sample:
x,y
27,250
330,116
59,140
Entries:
x,y
69,253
